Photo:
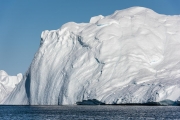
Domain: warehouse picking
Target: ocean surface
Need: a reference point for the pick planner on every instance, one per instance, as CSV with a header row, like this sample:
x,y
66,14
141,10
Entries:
x,y
105,112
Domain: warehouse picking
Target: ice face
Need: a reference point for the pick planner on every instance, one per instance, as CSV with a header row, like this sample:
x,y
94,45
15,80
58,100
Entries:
x,y
131,56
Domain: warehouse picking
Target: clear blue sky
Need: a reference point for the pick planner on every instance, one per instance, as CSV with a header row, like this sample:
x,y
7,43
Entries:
x,y
22,21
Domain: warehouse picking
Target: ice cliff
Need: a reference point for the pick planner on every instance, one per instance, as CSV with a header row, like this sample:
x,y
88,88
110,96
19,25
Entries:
x,y
8,83
131,56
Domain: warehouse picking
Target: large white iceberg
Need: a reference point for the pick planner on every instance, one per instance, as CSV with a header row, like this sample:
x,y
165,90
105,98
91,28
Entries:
x,y
131,56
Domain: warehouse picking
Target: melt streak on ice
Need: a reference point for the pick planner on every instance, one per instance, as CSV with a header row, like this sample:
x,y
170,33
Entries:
x,y
131,56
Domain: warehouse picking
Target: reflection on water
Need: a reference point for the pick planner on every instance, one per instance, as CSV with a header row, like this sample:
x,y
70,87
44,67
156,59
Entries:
x,y
89,112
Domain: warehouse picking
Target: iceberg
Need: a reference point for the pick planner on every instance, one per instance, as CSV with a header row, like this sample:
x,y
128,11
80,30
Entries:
x,y
8,83
131,56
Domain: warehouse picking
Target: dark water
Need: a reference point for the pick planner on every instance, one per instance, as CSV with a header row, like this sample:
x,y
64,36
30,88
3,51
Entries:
x,y
89,112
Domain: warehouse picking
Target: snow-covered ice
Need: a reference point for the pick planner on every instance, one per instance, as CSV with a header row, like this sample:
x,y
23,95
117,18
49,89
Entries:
x,y
131,56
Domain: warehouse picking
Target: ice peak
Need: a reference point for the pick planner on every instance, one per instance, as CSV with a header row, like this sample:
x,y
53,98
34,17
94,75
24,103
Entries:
x,y
2,72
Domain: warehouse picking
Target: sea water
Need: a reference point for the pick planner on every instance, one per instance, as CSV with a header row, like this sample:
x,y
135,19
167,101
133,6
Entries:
x,y
105,112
